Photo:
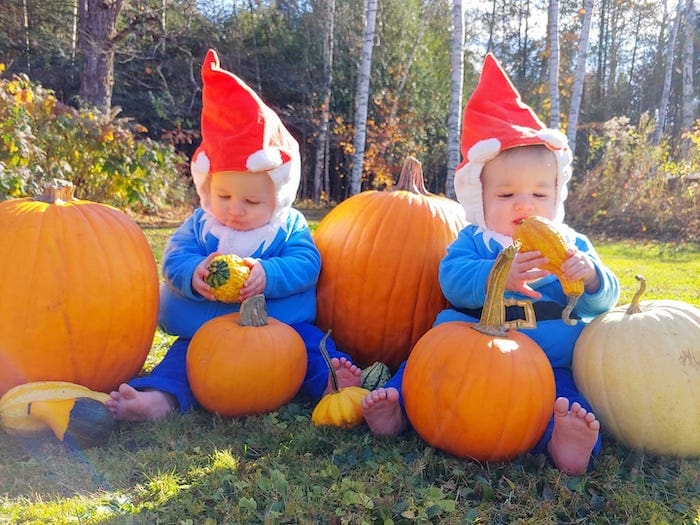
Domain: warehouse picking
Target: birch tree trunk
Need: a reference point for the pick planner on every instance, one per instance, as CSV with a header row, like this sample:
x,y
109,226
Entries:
x,y
554,63
577,90
456,86
74,31
320,163
25,28
665,93
687,112
362,100
97,31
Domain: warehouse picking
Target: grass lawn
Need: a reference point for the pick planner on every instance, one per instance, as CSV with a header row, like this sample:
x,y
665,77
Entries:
x,y
277,468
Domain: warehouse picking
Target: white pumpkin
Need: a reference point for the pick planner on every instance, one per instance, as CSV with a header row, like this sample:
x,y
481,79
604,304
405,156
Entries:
x,y
639,366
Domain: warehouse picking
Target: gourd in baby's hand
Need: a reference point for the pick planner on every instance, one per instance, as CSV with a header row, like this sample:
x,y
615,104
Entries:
x,y
542,235
227,275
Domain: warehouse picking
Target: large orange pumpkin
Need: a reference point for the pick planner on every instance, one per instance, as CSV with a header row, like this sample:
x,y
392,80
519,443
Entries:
x,y
245,362
380,250
480,391
79,292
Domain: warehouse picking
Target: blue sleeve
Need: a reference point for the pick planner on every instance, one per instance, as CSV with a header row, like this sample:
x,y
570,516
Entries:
x,y
465,269
183,252
295,267
592,304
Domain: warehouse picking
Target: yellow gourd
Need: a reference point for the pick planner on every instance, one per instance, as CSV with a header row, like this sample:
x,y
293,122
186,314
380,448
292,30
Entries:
x,y
542,235
227,275
341,407
14,404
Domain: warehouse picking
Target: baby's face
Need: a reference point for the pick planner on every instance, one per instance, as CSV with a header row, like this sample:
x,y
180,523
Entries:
x,y
242,200
518,183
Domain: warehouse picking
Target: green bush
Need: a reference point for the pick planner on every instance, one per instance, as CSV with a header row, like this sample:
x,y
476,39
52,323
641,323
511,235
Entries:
x,y
634,189
108,159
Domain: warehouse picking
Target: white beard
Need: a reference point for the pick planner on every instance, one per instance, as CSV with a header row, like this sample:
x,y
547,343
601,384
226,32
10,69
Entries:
x,y
503,240
242,243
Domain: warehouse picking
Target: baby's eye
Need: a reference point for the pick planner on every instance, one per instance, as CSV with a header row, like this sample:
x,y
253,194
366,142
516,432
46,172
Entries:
x,y
224,197
540,195
505,195
252,202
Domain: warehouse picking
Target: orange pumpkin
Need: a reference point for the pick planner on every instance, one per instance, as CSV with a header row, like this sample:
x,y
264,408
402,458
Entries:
x,y
79,300
378,289
480,391
245,362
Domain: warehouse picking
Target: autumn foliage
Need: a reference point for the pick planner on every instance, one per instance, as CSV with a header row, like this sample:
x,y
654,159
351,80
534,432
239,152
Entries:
x,y
108,159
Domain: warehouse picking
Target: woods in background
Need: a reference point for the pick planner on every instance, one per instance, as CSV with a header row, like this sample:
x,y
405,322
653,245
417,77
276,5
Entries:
x,y
305,58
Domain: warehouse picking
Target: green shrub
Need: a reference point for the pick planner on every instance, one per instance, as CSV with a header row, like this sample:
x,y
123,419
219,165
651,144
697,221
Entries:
x,y
108,159
635,189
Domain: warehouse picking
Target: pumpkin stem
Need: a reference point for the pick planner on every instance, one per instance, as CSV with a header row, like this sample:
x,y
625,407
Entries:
x,y
634,307
57,190
253,311
491,321
327,359
411,178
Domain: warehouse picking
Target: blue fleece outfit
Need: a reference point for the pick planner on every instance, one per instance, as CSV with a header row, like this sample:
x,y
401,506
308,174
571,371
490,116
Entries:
x,y
463,274
292,265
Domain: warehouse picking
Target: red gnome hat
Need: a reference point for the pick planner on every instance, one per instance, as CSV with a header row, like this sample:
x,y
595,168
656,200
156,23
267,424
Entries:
x,y
241,133
495,119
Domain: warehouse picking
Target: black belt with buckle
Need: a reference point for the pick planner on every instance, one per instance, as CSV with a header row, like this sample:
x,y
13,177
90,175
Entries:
x,y
518,311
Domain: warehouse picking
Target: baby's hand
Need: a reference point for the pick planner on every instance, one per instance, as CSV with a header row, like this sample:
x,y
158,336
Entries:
x,y
579,267
525,269
257,280
199,285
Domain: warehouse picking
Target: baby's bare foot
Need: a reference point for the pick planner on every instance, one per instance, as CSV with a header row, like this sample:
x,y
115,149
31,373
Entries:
x,y
346,373
573,438
129,404
383,413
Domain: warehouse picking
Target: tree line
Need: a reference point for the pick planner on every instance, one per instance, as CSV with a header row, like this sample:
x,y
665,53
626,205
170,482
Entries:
x,y
363,85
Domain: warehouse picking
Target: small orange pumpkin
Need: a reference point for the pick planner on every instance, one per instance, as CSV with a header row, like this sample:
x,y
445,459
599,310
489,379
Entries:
x,y
378,289
480,391
79,298
245,362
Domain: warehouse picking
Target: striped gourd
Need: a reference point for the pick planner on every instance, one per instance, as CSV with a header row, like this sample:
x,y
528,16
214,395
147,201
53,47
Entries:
x,y
375,375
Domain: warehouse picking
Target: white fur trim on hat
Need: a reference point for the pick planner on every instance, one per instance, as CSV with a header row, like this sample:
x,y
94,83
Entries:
x,y
286,180
554,138
264,159
469,191
484,150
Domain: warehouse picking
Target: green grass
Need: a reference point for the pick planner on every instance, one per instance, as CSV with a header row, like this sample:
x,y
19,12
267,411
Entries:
x,y
200,469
